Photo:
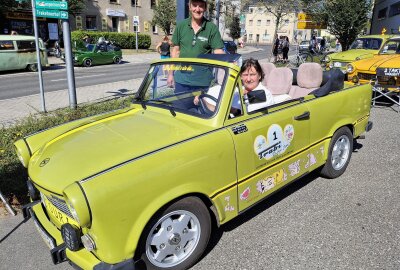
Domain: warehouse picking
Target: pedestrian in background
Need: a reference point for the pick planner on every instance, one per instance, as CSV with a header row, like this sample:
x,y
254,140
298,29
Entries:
x,y
275,48
14,33
285,48
163,47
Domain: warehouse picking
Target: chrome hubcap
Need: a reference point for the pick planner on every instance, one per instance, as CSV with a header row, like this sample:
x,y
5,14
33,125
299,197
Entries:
x,y
340,152
173,239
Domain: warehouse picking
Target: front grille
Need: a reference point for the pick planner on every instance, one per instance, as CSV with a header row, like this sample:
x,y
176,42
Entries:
x,y
60,205
366,76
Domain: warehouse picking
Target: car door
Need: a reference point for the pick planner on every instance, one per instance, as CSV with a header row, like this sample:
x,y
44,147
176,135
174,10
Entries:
x,y
271,148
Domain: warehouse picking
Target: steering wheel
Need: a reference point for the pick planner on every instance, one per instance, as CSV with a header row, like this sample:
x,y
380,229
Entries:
x,y
203,107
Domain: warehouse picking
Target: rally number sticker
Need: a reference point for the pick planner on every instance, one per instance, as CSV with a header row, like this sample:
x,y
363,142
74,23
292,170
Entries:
x,y
276,142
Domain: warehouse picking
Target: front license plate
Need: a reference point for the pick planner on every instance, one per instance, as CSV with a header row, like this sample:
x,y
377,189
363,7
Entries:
x,y
337,64
58,215
47,239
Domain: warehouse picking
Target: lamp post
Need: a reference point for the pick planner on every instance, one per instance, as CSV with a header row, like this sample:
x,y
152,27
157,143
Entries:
x,y
137,28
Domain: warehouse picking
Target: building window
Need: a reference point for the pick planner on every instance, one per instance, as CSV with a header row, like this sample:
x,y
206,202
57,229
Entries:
x,y
153,4
250,37
155,29
136,28
91,22
286,22
137,2
251,23
115,24
268,22
394,9
250,10
113,1
6,45
258,22
382,13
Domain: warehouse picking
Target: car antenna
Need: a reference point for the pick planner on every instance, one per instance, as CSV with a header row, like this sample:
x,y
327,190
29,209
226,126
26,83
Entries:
x,y
171,110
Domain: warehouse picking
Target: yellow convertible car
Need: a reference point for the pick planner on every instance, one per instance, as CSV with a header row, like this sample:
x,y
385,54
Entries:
x,y
362,48
383,67
139,188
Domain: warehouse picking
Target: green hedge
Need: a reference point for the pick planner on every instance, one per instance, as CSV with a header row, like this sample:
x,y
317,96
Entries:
x,y
125,40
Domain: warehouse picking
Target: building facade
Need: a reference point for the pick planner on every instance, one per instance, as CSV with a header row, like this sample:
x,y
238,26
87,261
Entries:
x,y
118,16
386,16
260,26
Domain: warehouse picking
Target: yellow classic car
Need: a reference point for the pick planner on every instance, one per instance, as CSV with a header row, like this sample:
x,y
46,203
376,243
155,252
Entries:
x,y
142,186
383,67
362,48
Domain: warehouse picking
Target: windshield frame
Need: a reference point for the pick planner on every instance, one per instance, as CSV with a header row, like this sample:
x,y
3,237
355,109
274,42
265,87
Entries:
x,y
167,101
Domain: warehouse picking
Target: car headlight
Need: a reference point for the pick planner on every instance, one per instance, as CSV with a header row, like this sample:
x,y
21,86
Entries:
x,y
78,204
328,59
350,68
23,152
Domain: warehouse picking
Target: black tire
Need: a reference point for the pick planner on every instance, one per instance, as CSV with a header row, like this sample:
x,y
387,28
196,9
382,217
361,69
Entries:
x,y
32,67
117,60
340,150
87,62
186,237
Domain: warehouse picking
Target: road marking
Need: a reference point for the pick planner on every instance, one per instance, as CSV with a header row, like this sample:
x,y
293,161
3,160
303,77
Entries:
x,y
79,77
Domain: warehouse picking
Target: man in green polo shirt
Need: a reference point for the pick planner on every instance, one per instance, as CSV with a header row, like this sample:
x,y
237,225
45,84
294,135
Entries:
x,y
193,36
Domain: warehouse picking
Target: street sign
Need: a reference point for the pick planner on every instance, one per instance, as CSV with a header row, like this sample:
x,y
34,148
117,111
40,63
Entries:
x,y
305,21
52,13
48,4
135,20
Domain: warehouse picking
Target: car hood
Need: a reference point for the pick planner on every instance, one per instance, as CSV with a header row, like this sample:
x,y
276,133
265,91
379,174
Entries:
x,y
351,55
92,148
378,61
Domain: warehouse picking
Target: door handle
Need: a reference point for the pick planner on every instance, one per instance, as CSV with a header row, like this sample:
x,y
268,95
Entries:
x,y
303,116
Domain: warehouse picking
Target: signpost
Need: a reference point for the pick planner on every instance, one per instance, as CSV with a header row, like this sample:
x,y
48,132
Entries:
x,y
305,21
56,10
48,4
56,14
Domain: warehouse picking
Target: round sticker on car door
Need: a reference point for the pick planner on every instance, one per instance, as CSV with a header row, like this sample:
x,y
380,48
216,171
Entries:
x,y
276,142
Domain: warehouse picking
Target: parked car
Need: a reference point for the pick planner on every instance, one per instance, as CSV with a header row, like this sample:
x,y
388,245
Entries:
x,y
230,47
96,54
386,63
362,48
304,45
144,184
19,52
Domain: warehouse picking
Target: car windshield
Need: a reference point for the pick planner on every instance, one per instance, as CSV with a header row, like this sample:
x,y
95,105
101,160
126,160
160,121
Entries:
x,y
391,47
194,89
367,43
90,47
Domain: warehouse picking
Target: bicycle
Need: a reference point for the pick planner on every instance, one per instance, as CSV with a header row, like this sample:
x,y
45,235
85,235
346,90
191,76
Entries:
x,y
299,58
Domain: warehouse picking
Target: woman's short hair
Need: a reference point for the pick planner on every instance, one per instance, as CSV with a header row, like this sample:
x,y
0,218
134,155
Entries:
x,y
251,62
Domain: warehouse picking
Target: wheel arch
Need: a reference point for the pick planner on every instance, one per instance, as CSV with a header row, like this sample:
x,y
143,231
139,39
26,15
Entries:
x,y
133,244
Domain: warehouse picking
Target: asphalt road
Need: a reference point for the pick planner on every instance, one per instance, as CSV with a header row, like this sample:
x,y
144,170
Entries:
x,y
22,83
351,222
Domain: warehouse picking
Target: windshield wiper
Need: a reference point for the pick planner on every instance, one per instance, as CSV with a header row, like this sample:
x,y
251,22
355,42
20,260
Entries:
x,y
142,102
171,108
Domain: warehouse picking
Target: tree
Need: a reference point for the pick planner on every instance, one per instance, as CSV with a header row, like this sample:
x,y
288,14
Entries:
x,y
234,28
165,15
76,6
345,19
7,5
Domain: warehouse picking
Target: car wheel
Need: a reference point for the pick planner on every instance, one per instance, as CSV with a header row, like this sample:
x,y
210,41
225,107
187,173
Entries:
x,y
117,60
176,237
339,154
32,67
87,62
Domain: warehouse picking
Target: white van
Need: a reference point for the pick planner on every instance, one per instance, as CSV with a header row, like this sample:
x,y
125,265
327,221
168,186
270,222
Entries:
x,y
19,52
